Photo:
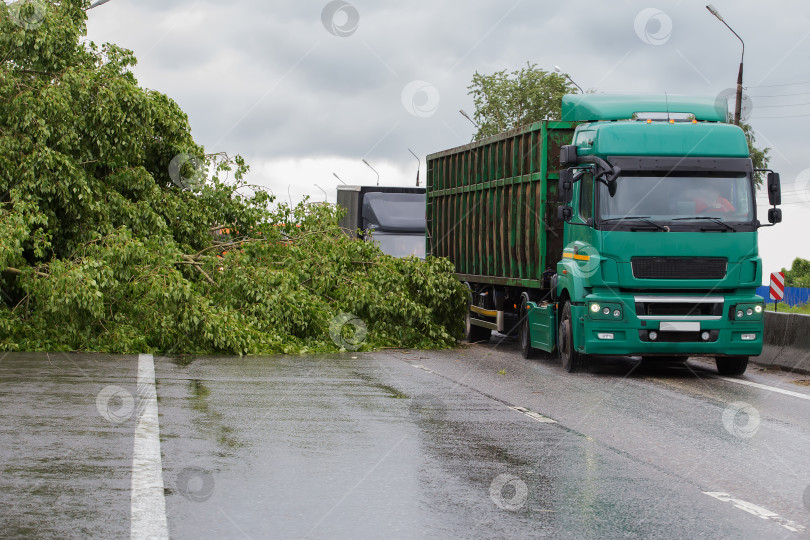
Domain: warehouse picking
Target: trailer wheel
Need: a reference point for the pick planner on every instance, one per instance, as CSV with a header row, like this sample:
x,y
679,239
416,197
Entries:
x,y
524,335
572,360
474,334
731,365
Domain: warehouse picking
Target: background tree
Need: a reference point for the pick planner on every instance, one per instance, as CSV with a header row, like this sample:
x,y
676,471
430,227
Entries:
x,y
799,273
759,156
507,100
119,233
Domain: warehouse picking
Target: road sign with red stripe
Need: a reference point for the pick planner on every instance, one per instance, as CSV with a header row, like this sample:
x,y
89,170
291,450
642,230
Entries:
x,y
777,286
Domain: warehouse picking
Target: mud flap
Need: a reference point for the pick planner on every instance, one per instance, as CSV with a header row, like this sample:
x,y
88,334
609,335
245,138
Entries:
x,y
542,326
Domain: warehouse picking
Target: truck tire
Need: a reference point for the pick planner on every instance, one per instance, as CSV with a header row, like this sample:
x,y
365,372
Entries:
x,y
572,361
731,365
524,335
474,334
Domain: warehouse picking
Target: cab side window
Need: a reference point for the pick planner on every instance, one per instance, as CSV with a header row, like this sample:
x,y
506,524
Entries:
x,y
586,197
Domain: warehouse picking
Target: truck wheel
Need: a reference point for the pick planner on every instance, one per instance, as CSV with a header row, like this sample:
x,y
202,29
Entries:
x,y
474,334
524,336
572,360
731,365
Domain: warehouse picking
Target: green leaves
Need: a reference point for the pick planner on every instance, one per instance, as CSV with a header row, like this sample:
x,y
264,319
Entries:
x,y
101,249
799,273
507,100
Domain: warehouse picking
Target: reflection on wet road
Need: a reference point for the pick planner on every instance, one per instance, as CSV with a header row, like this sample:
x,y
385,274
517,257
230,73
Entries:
x,y
469,443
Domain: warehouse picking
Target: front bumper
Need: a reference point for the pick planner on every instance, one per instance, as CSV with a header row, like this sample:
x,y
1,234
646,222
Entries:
x,y
631,333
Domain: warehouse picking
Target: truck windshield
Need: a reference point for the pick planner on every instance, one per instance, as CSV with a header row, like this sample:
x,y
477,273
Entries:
x,y
680,197
400,245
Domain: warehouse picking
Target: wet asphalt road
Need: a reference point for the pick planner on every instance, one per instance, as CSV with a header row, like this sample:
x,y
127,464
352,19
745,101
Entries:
x,y
469,443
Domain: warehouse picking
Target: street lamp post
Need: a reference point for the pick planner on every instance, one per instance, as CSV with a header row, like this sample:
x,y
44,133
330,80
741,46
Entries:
x,y
567,76
96,4
419,161
339,178
467,116
738,104
373,169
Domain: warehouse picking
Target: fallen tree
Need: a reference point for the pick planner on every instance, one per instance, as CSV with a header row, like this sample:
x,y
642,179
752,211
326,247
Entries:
x,y
119,233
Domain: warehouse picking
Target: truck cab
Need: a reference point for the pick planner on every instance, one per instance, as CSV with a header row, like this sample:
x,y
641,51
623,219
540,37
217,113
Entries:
x,y
660,259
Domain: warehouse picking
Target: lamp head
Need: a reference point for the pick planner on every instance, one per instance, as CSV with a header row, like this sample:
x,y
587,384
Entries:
x,y
713,11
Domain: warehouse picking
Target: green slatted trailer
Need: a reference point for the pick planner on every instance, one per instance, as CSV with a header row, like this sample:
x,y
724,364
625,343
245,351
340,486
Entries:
x,y
491,205
491,210
593,236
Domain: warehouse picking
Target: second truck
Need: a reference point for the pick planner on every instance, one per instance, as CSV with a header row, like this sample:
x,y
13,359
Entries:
x,y
628,228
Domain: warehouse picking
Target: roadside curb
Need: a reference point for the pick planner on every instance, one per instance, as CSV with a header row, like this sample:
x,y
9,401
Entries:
x,y
787,343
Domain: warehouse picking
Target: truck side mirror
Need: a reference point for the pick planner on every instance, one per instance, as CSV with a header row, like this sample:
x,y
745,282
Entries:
x,y
568,155
775,216
565,189
564,213
774,191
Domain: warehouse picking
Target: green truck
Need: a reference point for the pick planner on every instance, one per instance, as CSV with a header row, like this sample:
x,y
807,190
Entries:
x,y
628,228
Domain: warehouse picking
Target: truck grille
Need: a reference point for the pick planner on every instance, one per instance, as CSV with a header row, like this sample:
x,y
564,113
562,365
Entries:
x,y
679,267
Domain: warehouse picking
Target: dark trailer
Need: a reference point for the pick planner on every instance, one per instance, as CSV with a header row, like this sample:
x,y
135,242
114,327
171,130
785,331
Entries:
x,y
393,217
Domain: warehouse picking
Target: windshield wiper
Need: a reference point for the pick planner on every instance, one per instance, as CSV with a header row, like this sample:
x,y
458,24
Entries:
x,y
708,218
639,218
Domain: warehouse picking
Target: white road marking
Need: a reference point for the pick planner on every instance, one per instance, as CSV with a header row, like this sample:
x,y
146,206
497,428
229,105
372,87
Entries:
x,y
766,387
148,504
755,510
423,368
531,414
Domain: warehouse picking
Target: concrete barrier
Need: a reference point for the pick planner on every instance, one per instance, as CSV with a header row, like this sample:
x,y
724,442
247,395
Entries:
x,y
787,342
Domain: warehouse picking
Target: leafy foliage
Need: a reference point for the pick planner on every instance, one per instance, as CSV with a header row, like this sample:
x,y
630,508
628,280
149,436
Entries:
x,y
759,156
799,273
109,243
507,100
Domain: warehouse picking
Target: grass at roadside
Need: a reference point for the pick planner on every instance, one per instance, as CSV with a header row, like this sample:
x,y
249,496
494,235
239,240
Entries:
x,y
802,308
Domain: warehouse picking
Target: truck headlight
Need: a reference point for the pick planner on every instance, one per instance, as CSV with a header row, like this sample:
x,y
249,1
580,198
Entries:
x,y
595,308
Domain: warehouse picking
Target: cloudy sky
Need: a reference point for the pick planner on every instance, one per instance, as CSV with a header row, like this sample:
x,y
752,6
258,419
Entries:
x,y
305,89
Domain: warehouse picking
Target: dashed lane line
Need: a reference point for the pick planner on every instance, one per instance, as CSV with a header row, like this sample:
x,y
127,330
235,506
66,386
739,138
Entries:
x,y
755,510
531,414
523,410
